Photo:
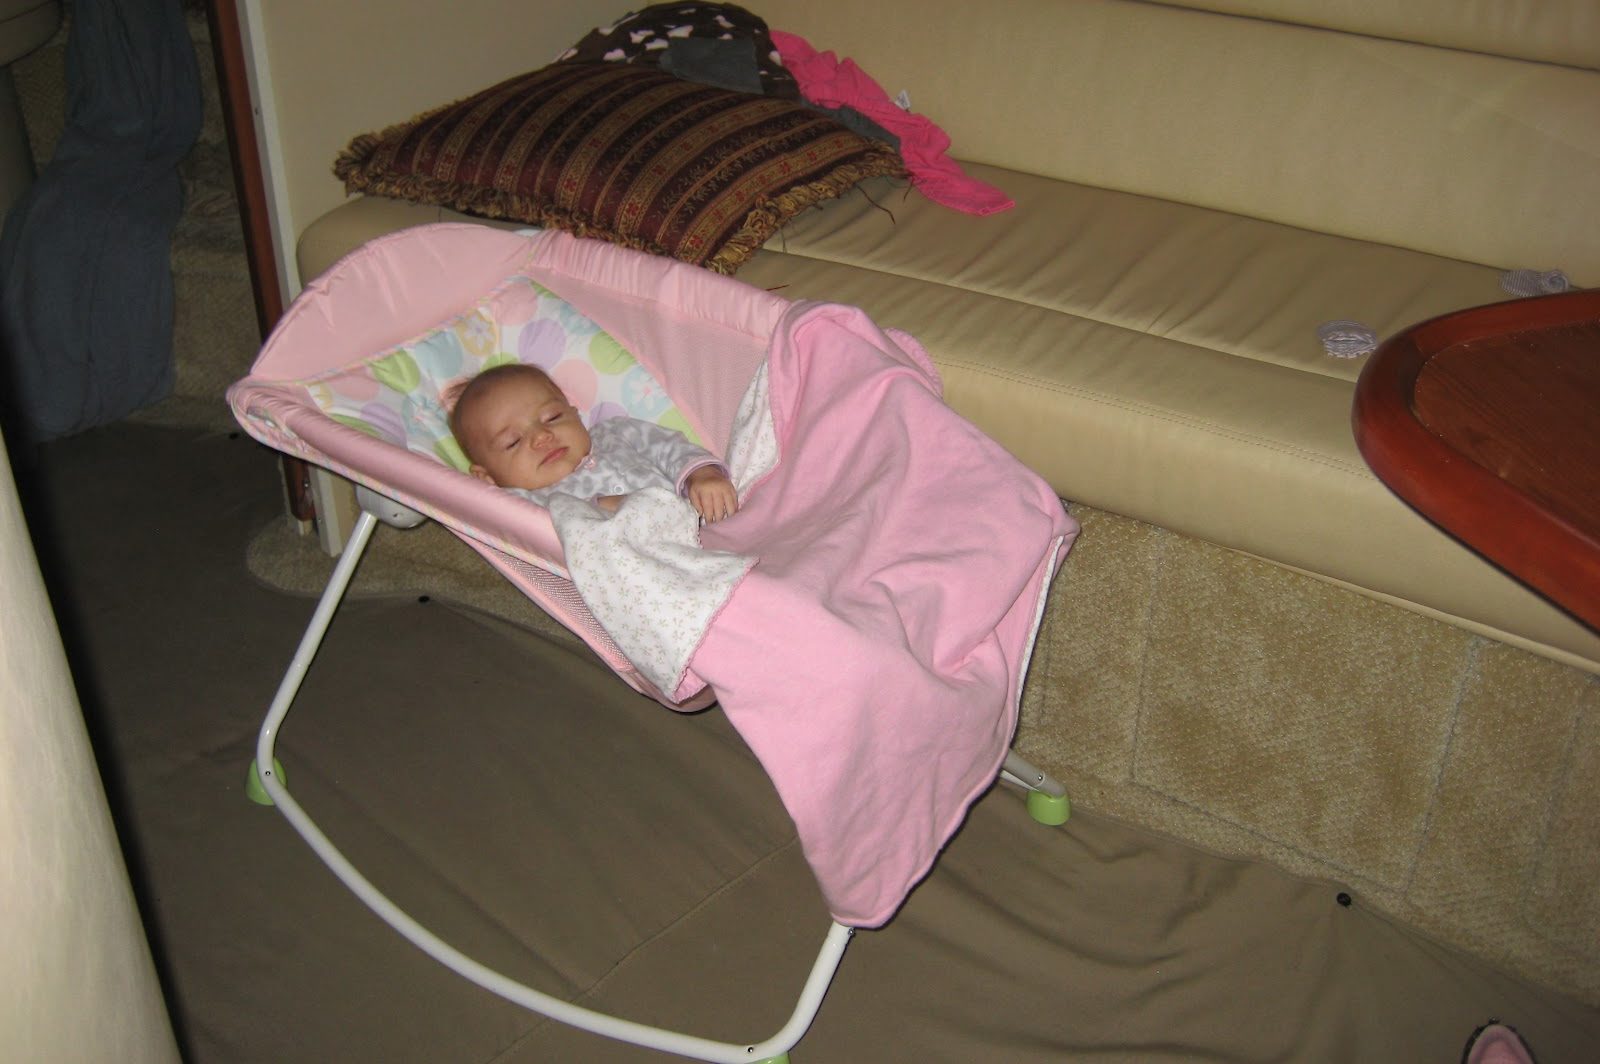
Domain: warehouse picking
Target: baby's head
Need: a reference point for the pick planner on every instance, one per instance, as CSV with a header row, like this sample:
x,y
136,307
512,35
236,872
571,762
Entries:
x,y
517,428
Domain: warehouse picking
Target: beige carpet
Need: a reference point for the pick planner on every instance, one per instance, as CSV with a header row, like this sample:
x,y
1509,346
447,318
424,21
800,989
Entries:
x,y
1259,712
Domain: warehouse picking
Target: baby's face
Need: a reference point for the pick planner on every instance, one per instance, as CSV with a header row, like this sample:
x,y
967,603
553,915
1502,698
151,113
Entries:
x,y
524,434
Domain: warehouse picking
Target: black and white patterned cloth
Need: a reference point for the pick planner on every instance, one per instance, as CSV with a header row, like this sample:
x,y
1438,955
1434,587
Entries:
x,y
697,41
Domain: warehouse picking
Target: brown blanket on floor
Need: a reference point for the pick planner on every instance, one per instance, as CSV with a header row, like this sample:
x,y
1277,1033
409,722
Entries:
x,y
540,816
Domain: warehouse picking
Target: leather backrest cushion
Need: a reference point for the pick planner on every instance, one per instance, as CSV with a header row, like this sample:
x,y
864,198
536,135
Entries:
x,y
1486,158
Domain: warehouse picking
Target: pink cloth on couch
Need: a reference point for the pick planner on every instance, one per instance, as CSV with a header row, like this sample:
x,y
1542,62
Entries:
x,y
831,82
873,658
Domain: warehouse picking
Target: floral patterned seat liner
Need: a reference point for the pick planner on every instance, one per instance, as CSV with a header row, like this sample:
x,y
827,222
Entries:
x,y
401,395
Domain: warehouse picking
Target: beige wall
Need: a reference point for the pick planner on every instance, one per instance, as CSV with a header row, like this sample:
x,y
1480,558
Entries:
x,y
1549,31
76,979
326,70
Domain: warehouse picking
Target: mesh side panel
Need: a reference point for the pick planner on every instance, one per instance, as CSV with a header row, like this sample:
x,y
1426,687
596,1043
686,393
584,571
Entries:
x,y
704,361
707,370
559,598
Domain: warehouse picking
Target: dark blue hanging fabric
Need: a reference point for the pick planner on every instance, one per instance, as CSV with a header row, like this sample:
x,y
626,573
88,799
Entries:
x,y
86,291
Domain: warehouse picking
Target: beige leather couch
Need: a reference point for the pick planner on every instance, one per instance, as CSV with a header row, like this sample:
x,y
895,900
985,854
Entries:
x,y
1255,646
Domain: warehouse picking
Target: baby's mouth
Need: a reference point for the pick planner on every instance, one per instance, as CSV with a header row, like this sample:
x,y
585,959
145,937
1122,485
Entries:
x,y
551,456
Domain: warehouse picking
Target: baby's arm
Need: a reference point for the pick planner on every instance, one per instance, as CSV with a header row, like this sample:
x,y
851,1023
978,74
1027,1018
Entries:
x,y
698,474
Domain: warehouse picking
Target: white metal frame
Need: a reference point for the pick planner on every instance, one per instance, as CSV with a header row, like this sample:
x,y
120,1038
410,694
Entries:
x,y
1024,775
268,772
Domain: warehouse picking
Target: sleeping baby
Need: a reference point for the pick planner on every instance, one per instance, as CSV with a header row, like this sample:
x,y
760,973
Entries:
x,y
519,431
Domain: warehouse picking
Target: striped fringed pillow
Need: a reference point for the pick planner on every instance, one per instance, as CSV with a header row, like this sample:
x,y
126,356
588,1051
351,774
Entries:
x,y
623,153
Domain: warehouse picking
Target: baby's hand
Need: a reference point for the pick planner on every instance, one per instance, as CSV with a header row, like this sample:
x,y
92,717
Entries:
x,y
711,494
609,503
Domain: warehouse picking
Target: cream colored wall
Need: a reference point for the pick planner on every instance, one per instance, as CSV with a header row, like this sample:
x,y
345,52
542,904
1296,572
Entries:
x,y
76,979
326,70
1549,31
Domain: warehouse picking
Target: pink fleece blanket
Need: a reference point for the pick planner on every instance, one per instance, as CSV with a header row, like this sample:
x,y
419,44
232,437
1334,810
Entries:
x,y
873,657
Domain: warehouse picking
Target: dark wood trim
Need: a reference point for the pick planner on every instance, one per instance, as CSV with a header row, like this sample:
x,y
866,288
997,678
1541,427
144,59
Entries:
x,y
1484,421
233,83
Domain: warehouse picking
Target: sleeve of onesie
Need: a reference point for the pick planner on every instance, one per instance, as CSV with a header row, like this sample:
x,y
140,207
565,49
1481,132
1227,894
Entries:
x,y
670,452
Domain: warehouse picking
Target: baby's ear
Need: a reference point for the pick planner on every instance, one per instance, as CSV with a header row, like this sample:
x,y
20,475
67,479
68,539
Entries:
x,y
450,394
481,473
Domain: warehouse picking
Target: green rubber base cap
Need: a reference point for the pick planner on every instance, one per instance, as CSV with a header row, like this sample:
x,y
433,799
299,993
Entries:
x,y
255,790
1048,808
781,1058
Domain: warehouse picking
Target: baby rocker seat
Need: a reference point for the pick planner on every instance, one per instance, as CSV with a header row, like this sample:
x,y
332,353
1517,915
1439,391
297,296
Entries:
x,y
351,380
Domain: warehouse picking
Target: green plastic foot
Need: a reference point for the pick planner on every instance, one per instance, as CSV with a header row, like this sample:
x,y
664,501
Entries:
x,y
1048,808
255,790
781,1058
